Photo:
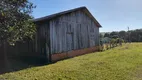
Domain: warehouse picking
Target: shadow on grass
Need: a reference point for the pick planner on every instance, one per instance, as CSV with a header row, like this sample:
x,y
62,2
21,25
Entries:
x,y
17,64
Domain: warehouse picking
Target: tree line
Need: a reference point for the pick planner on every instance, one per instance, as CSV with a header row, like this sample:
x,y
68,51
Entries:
x,y
127,36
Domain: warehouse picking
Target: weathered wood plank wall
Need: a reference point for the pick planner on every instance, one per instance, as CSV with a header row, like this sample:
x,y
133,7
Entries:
x,y
42,38
73,31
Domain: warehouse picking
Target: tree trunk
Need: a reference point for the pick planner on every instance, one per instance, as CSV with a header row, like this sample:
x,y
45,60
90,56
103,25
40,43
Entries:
x,y
3,57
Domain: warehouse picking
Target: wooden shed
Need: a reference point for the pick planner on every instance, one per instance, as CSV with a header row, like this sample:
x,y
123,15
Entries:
x,y
67,34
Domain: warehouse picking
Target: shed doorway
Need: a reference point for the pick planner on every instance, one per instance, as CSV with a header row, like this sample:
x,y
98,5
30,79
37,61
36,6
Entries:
x,y
70,43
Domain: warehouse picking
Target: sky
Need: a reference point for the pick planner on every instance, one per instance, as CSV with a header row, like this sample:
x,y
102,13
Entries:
x,y
113,15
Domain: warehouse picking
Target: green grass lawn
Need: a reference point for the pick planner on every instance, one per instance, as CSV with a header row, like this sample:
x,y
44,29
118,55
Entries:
x,y
120,63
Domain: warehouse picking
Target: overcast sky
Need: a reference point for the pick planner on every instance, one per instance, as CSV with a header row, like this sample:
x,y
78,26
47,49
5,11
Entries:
x,y
113,15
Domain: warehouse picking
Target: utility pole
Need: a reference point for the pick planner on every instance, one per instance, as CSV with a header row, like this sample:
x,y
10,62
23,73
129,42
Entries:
x,y
129,35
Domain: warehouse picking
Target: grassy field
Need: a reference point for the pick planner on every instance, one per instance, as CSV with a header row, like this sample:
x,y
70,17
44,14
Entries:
x,y
120,63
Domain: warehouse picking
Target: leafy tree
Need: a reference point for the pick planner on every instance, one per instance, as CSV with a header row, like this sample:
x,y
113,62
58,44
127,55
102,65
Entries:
x,y
101,36
133,36
106,35
114,34
112,43
15,21
122,34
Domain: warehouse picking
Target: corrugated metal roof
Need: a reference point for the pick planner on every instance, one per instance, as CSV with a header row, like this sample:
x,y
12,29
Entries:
x,y
66,12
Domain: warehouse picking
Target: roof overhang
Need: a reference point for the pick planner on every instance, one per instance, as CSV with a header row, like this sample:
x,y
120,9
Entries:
x,y
84,9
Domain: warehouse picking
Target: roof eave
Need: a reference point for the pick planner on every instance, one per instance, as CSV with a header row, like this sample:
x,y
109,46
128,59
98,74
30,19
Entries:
x,y
65,12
